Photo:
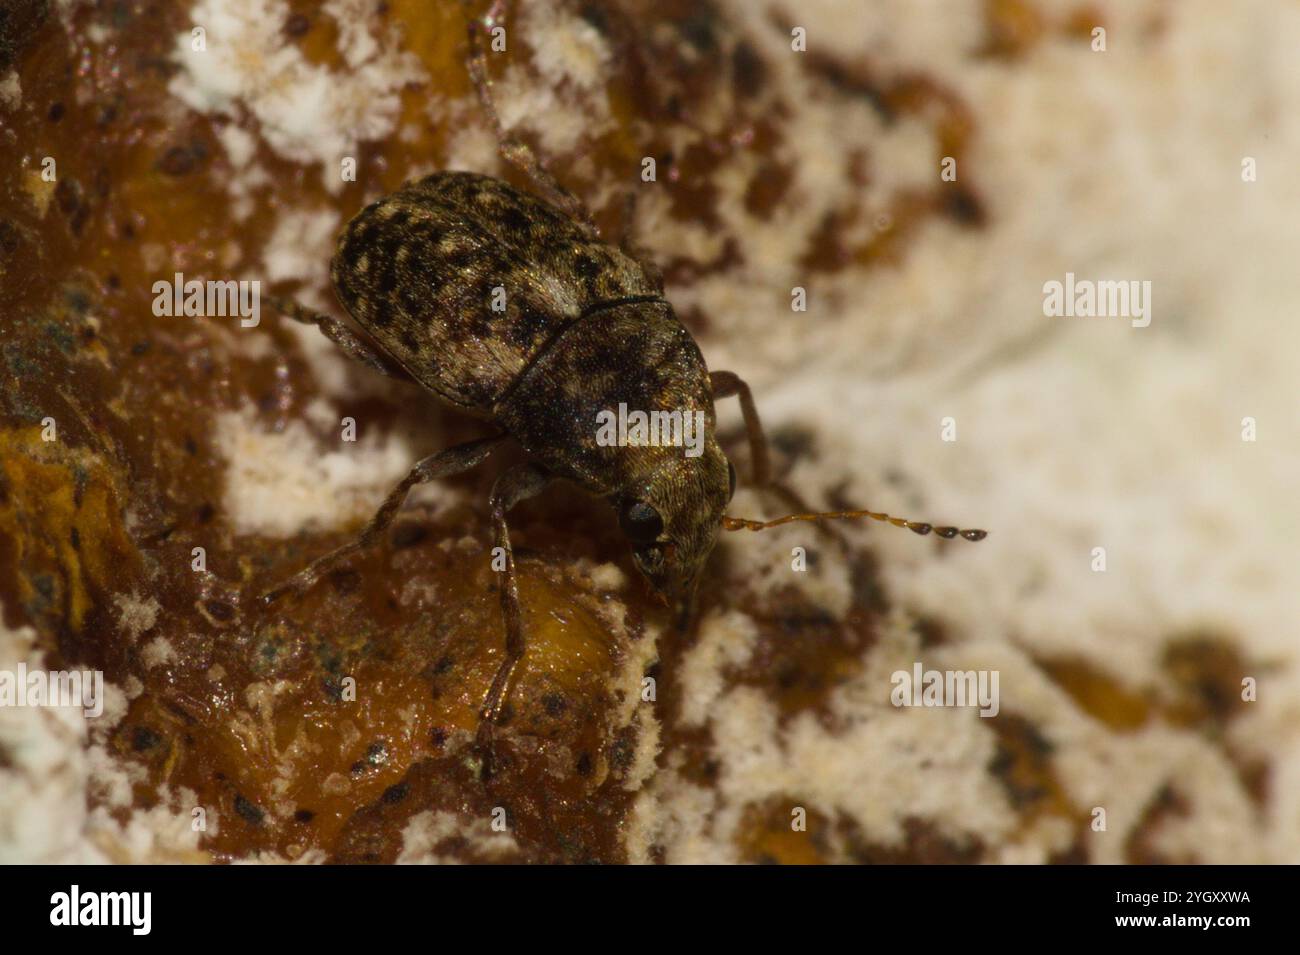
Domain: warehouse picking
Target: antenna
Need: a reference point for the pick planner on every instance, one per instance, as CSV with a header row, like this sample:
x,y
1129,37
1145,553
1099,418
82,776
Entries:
x,y
918,527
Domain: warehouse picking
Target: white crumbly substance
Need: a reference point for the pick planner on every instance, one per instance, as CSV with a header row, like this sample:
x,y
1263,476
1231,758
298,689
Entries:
x,y
569,103
300,248
426,830
304,111
136,614
158,652
1072,433
11,90
56,761
280,483
247,176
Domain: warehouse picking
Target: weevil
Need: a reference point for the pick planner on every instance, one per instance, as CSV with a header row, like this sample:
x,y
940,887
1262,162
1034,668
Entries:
x,y
513,309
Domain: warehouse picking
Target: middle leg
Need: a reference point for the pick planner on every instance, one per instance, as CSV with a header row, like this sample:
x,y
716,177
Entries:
x,y
454,460
511,487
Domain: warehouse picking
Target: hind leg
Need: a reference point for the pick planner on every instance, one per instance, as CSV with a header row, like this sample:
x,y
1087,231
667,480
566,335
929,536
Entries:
x,y
514,150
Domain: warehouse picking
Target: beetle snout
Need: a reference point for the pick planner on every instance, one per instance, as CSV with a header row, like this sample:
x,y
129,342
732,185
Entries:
x,y
677,593
683,611
680,598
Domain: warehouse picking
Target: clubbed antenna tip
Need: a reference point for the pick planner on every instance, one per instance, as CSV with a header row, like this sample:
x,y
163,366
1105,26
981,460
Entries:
x,y
918,527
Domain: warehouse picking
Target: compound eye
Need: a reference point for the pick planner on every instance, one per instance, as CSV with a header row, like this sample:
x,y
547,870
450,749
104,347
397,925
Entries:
x,y
731,480
641,522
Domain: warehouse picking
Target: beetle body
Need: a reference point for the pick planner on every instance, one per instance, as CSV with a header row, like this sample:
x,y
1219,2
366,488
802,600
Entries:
x,y
580,327
418,269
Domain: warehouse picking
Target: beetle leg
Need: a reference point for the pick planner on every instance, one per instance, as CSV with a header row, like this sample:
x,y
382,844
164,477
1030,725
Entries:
x,y
352,344
726,384
510,488
514,150
454,460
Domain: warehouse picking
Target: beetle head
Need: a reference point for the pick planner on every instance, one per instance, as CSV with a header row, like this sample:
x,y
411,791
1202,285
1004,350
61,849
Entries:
x,y
671,516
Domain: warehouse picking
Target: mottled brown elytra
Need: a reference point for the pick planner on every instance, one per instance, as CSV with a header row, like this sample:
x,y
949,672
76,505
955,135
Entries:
x,y
581,326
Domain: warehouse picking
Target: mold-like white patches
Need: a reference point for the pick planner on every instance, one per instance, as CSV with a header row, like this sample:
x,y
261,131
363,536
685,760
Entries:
x,y
427,830
566,104
676,814
11,91
646,749
300,247
471,143
240,145
306,112
638,657
566,48
115,708
52,772
765,561
604,577
356,41
282,483
161,835
248,176
521,104
136,614
43,782
725,642
905,763
111,779
158,652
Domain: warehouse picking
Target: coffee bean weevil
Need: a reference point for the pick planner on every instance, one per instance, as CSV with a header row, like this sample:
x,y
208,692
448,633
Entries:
x,y
585,327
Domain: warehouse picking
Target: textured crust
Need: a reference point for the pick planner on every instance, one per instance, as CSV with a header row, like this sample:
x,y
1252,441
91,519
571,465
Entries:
x,y
417,270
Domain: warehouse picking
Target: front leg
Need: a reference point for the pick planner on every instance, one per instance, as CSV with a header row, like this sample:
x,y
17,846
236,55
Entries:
x,y
510,488
727,384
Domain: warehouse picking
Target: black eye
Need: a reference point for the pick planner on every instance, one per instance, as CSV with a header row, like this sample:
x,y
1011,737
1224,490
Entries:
x,y
731,480
640,522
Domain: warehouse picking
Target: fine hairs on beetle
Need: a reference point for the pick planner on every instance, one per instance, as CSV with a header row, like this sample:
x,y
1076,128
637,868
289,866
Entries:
x,y
513,309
